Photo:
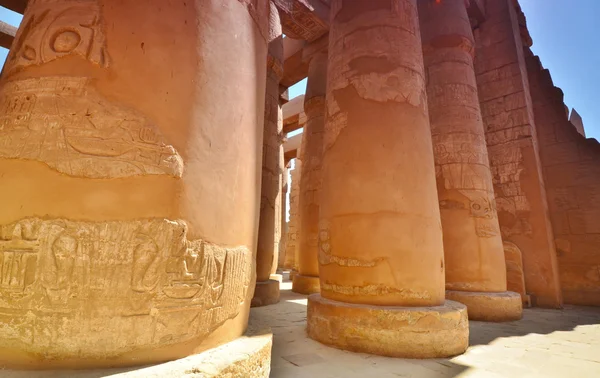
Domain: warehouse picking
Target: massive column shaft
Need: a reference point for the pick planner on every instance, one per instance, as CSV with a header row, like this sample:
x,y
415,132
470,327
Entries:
x,y
130,163
475,265
307,279
380,239
269,229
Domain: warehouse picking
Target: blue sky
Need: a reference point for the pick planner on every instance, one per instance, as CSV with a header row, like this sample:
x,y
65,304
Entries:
x,y
564,36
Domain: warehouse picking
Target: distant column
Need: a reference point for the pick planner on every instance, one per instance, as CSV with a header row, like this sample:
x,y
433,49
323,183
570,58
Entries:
x,y
307,281
380,241
267,290
293,224
475,264
284,209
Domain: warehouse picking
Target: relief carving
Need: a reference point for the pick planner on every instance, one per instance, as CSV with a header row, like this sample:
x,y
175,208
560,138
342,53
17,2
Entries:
x,y
57,29
143,280
65,123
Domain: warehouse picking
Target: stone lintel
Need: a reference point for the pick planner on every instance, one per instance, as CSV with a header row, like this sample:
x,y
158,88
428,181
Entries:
x,y
313,48
294,68
14,5
303,19
293,114
291,147
7,34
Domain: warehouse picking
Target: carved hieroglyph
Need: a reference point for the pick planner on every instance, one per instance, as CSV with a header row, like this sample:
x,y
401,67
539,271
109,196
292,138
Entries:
x,y
57,29
65,123
65,285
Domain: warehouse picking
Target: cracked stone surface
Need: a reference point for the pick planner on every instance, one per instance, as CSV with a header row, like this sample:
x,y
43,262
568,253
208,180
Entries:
x,y
545,343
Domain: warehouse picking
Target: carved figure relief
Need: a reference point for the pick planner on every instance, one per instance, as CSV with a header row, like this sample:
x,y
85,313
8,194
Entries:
x,y
143,280
65,123
58,29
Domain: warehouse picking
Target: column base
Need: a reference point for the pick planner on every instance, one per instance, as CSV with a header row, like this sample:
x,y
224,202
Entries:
x,y
306,284
505,306
405,332
293,274
246,356
265,293
277,277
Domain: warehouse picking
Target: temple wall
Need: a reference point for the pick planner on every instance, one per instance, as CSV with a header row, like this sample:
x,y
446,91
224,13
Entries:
x,y
571,166
510,133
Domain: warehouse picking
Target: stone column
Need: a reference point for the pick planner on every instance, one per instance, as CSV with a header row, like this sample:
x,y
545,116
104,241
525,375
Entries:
x,y
293,224
130,165
380,242
284,209
474,253
267,290
307,279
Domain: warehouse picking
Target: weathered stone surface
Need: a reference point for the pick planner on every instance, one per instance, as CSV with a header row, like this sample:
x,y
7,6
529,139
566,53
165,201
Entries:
x,y
515,276
513,149
269,227
571,166
305,284
304,19
266,293
379,206
291,249
406,332
246,357
380,240
311,179
128,228
489,307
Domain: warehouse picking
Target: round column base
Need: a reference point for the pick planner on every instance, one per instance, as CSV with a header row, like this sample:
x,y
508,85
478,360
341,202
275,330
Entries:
x,y
505,306
306,284
405,332
293,274
277,277
265,293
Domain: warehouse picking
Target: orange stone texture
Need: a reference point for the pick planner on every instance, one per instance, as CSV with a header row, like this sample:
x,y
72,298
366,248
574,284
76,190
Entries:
x,y
473,247
131,170
380,239
307,279
269,229
291,247
145,174
513,149
571,166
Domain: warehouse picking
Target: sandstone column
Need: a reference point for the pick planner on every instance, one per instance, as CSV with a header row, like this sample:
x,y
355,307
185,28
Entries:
x,y
267,290
475,263
130,143
380,242
307,279
284,210
292,236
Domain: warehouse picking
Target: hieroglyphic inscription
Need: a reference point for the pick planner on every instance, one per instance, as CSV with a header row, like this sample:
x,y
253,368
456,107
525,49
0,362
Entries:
x,y
54,29
69,286
65,123
462,165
